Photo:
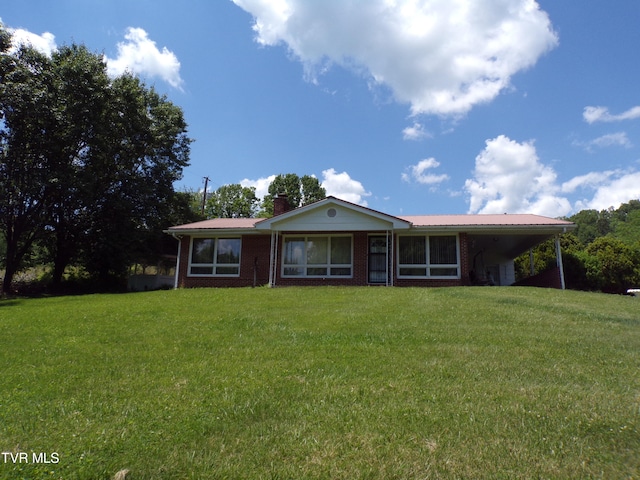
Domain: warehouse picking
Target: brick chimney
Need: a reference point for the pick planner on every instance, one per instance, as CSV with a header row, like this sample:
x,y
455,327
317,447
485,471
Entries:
x,y
281,204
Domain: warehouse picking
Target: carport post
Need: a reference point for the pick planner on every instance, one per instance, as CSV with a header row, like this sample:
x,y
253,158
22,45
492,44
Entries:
x,y
559,261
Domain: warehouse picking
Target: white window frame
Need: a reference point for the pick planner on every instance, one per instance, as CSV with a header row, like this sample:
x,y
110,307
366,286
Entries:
x,y
428,266
214,265
306,266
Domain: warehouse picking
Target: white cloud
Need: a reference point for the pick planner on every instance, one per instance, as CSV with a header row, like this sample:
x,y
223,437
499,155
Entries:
x,y
615,189
590,180
509,178
341,185
619,139
440,56
415,132
601,114
261,185
140,55
44,43
419,173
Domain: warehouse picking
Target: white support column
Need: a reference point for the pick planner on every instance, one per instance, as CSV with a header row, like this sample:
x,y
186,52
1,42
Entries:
x,y
393,272
559,261
275,258
386,259
272,259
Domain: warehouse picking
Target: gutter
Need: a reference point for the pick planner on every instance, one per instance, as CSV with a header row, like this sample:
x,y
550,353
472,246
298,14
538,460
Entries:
x,y
212,231
491,229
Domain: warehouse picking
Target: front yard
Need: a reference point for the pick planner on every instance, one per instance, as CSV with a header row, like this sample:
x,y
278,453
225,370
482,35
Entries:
x,y
333,383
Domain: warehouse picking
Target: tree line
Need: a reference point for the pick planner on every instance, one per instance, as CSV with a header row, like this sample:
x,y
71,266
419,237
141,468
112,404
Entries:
x,y
601,254
87,163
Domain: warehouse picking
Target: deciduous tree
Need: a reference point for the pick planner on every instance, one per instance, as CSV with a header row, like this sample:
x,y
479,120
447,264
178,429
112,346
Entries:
x,y
232,201
27,170
611,265
87,162
299,190
135,167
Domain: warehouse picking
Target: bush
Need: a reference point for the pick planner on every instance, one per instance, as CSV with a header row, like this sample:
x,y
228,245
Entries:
x,y
611,265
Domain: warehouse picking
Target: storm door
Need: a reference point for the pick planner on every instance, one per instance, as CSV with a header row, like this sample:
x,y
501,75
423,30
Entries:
x,y
378,259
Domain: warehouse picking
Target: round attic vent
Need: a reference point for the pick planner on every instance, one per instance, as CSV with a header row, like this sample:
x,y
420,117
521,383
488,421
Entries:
x,y
331,212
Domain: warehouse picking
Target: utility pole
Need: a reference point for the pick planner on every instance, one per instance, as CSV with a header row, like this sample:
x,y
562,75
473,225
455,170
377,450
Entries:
x,y
204,194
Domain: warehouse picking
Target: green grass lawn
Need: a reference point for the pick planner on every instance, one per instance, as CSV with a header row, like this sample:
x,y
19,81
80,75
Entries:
x,y
335,383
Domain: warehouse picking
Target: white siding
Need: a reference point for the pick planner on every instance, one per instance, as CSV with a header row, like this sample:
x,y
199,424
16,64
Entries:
x,y
334,218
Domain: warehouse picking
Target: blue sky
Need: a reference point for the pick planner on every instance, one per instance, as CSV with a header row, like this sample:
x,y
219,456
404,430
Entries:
x,y
408,107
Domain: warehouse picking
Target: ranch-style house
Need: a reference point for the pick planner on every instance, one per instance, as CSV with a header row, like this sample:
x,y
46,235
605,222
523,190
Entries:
x,y
335,242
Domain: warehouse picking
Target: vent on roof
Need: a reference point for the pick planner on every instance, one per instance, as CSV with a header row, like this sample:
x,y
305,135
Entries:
x,y
331,212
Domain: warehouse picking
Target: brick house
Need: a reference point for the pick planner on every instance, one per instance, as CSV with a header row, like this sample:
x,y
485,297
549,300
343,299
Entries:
x,y
335,242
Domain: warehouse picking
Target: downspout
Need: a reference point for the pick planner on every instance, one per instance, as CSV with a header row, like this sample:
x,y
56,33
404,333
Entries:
x,y
255,272
176,276
559,262
273,259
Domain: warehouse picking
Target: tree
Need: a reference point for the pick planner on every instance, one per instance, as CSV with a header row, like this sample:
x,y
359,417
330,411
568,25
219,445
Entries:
x,y
626,222
81,83
311,190
232,201
299,191
591,224
5,40
629,230
622,212
26,167
611,265
88,162
190,203
135,166
153,244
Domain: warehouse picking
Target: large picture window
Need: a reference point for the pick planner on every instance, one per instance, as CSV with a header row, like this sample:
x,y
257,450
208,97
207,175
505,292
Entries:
x,y
317,256
428,256
215,257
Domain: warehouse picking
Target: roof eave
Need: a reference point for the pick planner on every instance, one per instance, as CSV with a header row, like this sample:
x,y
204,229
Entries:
x,y
550,229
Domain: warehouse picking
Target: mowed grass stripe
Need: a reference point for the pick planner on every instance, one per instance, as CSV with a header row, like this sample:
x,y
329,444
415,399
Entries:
x,y
323,383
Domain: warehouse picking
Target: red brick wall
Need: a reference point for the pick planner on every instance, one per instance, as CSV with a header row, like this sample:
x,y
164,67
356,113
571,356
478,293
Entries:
x,y
253,246
258,246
